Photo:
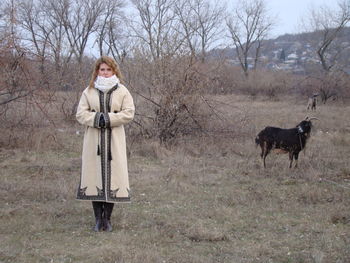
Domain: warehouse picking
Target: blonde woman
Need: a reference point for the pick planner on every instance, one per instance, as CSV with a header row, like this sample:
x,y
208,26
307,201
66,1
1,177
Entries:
x,y
104,108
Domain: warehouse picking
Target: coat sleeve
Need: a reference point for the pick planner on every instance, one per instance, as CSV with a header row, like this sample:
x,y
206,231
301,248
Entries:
x,y
125,115
84,114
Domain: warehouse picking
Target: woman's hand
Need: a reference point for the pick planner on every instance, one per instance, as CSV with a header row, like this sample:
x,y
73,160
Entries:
x,y
102,121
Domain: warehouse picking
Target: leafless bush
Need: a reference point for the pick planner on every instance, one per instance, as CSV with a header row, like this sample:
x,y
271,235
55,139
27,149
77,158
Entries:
x,y
334,85
263,83
330,86
169,101
15,79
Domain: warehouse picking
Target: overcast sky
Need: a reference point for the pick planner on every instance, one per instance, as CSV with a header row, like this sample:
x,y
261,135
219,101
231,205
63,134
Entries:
x,y
289,13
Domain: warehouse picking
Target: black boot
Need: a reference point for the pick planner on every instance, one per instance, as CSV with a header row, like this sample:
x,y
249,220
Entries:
x,y
98,210
108,208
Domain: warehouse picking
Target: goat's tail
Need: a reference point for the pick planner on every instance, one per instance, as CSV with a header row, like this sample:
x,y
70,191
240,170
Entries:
x,y
257,141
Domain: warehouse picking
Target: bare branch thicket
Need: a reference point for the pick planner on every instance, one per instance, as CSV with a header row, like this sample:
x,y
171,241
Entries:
x,y
42,24
43,36
157,40
112,35
328,25
155,28
60,51
209,16
31,20
37,33
166,79
334,86
188,25
80,21
14,77
201,24
248,26
11,37
17,81
174,108
56,32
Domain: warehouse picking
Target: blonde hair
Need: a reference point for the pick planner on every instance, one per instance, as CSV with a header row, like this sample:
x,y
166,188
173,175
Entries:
x,y
110,62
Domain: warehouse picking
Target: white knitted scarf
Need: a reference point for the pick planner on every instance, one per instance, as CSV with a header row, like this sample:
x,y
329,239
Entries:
x,y
105,84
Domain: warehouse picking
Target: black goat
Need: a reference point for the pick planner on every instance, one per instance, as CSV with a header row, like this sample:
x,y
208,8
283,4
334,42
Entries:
x,y
290,141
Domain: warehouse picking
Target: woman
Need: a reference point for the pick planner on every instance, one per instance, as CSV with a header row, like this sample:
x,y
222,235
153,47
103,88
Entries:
x,y
104,107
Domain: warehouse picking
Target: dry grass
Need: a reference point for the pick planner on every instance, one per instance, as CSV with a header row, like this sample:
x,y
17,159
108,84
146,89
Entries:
x,y
206,199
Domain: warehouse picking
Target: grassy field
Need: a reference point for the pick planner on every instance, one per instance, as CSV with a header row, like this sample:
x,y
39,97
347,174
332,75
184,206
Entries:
x,y
206,199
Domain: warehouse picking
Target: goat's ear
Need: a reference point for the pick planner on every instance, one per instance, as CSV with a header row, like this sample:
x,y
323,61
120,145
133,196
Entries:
x,y
306,118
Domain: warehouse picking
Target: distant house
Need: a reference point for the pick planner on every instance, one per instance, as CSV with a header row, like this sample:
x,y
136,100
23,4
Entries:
x,y
275,54
272,66
286,67
313,60
345,44
292,56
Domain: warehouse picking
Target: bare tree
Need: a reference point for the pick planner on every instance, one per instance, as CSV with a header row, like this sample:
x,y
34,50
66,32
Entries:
x,y
45,36
188,25
80,21
54,11
165,77
58,30
9,25
328,24
155,28
14,81
36,31
111,33
201,22
248,26
209,17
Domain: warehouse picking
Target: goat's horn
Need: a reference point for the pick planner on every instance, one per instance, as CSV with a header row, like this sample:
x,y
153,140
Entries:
x,y
313,118
306,118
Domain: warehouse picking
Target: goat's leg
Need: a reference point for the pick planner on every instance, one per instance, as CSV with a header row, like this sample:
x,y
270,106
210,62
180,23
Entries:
x,y
264,160
290,159
263,153
267,151
296,155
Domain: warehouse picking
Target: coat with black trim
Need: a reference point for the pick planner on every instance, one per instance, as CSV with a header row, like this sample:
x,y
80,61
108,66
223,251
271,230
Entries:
x,y
104,174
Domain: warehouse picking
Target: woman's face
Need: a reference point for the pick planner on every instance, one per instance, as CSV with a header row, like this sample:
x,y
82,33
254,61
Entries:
x,y
105,71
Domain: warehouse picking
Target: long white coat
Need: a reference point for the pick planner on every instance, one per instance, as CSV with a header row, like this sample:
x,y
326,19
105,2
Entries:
x,y
104,174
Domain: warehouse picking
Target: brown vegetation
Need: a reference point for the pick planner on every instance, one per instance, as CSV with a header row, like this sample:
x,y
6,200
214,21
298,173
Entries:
x,y
207,195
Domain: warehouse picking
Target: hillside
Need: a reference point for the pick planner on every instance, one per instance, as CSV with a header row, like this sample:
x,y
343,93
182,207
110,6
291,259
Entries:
x,y
296,52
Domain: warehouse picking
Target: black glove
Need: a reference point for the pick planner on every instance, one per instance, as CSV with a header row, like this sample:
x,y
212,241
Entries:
x,y
102,122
